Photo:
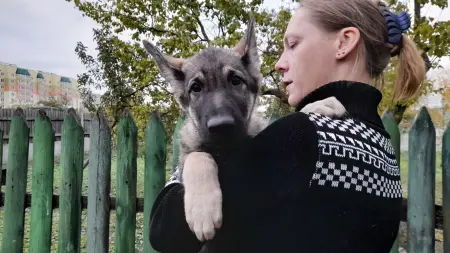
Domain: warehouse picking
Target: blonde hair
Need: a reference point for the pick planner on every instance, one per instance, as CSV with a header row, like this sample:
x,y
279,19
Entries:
x,y
366,16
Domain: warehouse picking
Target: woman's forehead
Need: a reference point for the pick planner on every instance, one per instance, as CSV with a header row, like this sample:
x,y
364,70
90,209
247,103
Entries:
x,y
300,21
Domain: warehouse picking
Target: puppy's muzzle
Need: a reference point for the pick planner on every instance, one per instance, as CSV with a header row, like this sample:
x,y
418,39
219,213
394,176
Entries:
x,y
221,124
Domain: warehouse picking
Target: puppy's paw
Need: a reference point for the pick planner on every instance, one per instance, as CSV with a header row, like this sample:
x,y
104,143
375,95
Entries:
x,y
203,196
330,107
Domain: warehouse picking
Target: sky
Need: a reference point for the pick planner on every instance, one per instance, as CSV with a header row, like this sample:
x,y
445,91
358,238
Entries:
x,y
42,35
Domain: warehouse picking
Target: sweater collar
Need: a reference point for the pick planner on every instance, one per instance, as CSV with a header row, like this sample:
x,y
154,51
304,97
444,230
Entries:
x,y
359,99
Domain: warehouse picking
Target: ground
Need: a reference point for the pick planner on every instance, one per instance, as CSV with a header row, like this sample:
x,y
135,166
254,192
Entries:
x,y
140,216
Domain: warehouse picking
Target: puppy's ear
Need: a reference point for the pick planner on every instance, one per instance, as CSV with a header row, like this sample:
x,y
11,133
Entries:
x,y
169,66
247,47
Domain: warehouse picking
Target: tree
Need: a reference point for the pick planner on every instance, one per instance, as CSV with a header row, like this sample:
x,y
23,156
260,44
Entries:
x,y
61,102
182,28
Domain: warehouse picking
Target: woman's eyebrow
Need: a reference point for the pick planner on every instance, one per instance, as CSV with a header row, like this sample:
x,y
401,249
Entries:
x,y
290,36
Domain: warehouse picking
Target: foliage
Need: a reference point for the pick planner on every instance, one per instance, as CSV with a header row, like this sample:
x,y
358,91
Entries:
x,y
432,37
182,28
61,102
273,23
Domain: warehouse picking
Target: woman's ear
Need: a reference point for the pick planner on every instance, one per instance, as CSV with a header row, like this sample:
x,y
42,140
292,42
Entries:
x,y
347,42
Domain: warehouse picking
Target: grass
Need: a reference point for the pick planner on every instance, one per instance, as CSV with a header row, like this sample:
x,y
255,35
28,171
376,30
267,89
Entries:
x,y
140,194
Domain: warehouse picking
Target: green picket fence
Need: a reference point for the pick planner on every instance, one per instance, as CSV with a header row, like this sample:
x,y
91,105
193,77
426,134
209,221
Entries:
x,y
419,210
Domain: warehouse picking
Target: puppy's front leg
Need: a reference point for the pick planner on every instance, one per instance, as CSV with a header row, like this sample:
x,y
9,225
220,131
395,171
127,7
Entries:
x,y
203,196
330,107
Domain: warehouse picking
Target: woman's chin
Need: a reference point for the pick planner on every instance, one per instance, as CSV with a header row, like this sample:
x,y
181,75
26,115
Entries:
x,y
293,100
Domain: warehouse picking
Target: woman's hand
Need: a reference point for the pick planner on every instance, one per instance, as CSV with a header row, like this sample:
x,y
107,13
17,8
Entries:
x,y
330,107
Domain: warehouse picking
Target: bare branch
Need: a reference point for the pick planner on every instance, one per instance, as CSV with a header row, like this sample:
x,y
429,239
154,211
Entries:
x,y
202,28
86,163
221,26
272,76
426,59
277,93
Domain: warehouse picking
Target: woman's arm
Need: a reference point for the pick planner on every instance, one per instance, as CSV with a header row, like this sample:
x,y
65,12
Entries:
x,y
286,153
169,231
281,164
277,169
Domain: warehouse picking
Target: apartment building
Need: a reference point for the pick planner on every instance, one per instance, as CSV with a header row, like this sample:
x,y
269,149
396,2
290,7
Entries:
x,y
26,87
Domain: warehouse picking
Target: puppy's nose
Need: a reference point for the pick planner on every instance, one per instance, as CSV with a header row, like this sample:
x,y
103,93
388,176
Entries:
x,y
220,124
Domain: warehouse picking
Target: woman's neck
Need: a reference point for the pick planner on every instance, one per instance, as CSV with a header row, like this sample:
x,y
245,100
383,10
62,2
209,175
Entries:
x,y
360,99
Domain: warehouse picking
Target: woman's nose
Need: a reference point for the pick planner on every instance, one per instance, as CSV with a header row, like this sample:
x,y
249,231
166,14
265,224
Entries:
x,y
281,65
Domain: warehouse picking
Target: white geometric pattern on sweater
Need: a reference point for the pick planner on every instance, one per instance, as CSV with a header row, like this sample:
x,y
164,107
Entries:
x,y
356,179
357,129
345,143
334,139
377,158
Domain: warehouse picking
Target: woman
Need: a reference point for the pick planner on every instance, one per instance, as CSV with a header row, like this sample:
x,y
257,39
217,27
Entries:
x,y
312,183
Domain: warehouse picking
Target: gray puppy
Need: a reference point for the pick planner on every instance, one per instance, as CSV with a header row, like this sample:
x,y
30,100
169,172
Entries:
x,y
217,89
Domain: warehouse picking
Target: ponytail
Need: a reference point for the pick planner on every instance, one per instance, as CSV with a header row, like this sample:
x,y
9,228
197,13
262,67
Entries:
x,y
411,71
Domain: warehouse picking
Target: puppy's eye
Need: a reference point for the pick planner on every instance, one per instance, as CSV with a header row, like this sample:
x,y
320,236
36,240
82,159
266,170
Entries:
x,y
235,80
196,87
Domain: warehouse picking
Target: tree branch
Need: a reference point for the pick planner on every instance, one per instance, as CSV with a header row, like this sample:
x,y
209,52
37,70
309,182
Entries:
x,y
202,28
135,91
271,75
221,27
156,30
277,93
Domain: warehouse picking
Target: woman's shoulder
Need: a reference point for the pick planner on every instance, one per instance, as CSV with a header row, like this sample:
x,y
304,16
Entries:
x,y
354,155
292,129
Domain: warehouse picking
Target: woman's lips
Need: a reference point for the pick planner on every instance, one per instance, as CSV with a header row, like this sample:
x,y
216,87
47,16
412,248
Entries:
x,y
287,83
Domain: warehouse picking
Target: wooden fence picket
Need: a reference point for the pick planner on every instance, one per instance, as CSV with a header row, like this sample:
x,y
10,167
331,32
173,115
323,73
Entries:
x,y
126,184
392,128
155,169
16,183
421,184
42,184
99,185
446,187
176,143
72,143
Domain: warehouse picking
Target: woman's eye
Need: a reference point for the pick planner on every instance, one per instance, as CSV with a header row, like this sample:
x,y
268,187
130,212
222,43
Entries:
x,y
236,81
196,87
292,45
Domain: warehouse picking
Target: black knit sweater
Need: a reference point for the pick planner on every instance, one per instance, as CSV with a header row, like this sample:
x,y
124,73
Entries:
x,y
307,183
